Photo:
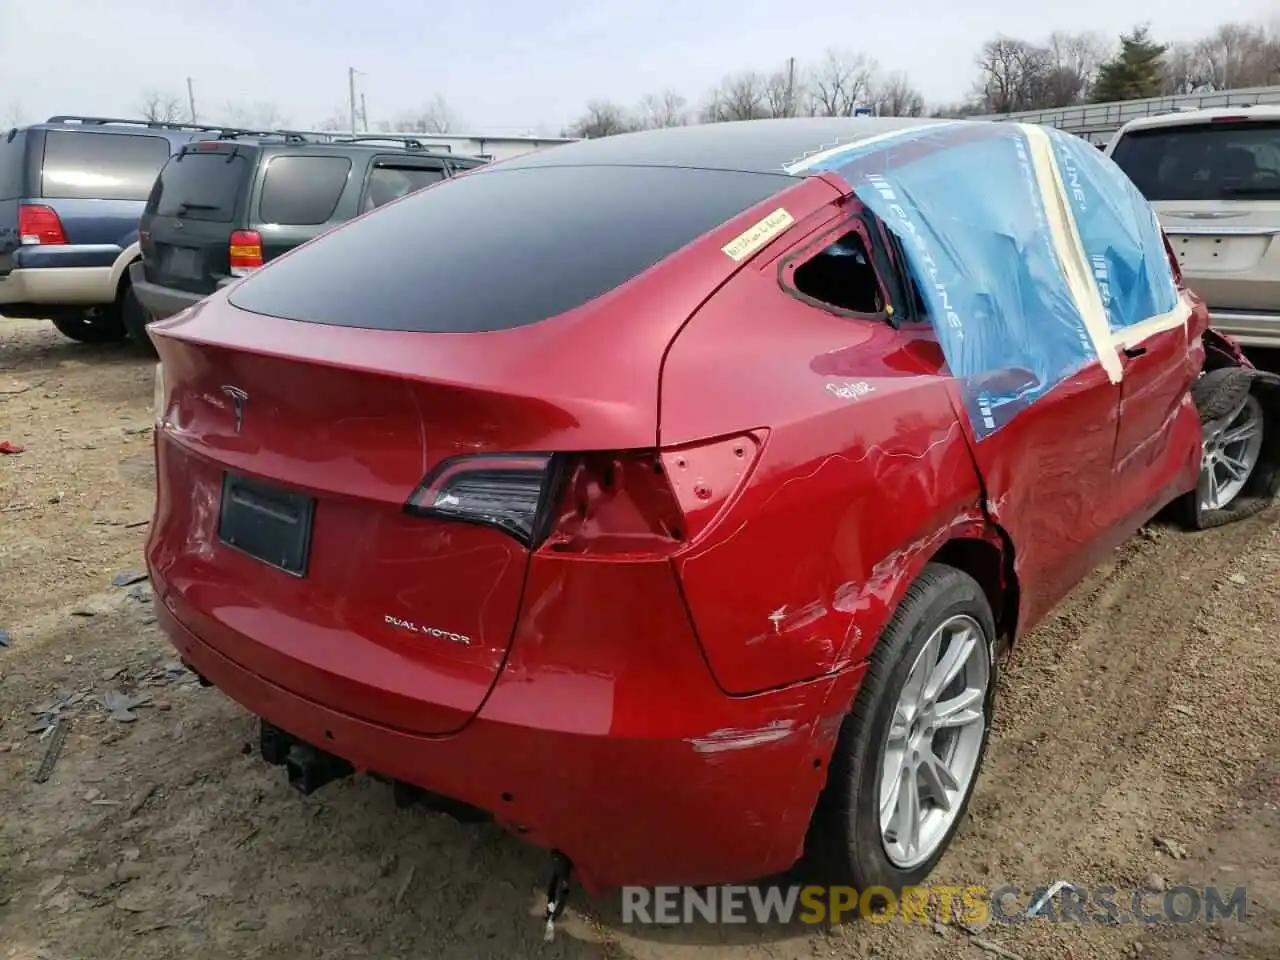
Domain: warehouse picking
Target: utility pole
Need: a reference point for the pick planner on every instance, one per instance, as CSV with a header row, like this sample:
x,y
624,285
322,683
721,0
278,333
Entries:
x,y
364,115
191,99
351,82
791,86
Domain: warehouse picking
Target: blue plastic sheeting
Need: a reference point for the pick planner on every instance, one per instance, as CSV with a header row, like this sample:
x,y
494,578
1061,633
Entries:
x,y
966,201
1119,232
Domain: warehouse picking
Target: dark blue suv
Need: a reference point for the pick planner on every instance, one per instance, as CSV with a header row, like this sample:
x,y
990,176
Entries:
x,y
72,191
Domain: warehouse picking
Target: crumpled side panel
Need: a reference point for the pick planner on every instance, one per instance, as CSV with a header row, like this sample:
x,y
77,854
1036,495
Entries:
x,y
1119,233
1021,268
985,259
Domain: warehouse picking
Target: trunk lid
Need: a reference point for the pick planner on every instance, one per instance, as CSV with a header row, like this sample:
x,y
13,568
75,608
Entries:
x,y
1229,251
400,619
291,550
199,199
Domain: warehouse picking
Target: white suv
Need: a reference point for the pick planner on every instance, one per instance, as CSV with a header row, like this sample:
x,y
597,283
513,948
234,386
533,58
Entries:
x,y
1213,177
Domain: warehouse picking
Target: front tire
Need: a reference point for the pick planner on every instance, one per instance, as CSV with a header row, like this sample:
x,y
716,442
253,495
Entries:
x,y
910,751
92,325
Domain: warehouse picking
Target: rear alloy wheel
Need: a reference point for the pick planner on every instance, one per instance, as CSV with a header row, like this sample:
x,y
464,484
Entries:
x,y
1239,459
91,325
910,751
934,742
1232,447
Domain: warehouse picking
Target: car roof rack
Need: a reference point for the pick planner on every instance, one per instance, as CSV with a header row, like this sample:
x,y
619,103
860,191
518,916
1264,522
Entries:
x,y
150,124
289,136
410,143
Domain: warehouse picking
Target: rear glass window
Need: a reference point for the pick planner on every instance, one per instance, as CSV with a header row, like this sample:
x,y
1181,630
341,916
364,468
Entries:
x,y
101,166
12,160
200,185
501,248
302,191
1215,161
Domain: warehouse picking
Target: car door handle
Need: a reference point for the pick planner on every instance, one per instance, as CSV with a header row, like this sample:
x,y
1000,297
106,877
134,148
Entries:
x,y
1137,350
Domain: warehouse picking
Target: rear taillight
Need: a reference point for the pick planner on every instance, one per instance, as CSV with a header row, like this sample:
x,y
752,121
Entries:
x,y
640,503
506,491
245,252
39,225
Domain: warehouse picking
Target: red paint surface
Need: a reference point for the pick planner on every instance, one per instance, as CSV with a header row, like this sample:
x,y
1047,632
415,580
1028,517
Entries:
x,y
654,690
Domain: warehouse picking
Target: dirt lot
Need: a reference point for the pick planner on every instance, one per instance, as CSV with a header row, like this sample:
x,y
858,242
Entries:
x,y
1145,707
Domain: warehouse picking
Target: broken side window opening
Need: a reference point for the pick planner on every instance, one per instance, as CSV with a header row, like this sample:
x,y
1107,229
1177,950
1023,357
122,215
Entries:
x,y
841,275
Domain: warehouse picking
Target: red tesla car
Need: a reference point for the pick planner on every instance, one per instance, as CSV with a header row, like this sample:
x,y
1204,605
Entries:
x,y
671,497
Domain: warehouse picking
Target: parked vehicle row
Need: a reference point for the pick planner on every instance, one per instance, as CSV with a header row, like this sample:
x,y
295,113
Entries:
x,y
672,498
217,202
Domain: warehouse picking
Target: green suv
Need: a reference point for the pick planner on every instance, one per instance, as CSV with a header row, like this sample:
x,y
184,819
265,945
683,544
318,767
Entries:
x,y
222,208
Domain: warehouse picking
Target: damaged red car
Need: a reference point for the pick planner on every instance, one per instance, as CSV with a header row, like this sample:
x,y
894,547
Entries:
x,y
672,498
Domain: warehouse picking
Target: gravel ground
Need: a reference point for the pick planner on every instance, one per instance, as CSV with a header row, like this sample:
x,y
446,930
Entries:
x,y
1144,708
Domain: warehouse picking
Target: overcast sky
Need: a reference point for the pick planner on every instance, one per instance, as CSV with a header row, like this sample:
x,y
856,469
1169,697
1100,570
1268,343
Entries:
x,y
505,66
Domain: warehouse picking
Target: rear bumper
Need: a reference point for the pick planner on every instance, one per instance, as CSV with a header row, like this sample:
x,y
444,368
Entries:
x,y
160,302
1249,329
58,286
629,801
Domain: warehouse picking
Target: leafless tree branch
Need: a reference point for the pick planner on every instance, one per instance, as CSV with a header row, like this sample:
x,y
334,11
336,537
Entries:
x,y
259,115
603,118
161,106
435,116
665,109
840,83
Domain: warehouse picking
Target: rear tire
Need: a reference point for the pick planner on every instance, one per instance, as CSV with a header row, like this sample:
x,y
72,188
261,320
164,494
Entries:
x,y
91,325
849,840
1240,467
135,320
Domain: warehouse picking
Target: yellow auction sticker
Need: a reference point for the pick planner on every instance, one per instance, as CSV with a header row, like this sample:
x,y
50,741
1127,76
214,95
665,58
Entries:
x,y
757,235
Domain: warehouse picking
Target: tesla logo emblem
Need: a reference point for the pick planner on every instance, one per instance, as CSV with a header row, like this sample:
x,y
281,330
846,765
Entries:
x,y
238,397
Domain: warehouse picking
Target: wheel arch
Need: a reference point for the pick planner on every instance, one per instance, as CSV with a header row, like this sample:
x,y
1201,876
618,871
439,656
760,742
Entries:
x,y
989,560
120,269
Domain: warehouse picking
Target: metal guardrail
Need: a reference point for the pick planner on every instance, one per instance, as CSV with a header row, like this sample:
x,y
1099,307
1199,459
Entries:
x,y
1096,122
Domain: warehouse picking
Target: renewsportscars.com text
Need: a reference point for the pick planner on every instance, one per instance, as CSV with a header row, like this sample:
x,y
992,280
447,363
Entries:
x,y
975,904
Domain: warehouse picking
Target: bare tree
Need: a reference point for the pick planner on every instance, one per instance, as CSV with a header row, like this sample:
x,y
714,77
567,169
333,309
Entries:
x,y
1013,75
784,94
665,109
157,105
259,115
1075,58
435,116
894,96
840,83
1184,71
957,111
741,96
13,115
1238,55
603,118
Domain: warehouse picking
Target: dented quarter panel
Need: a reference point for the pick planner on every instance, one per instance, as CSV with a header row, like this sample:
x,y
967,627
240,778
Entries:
x,y
863,474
